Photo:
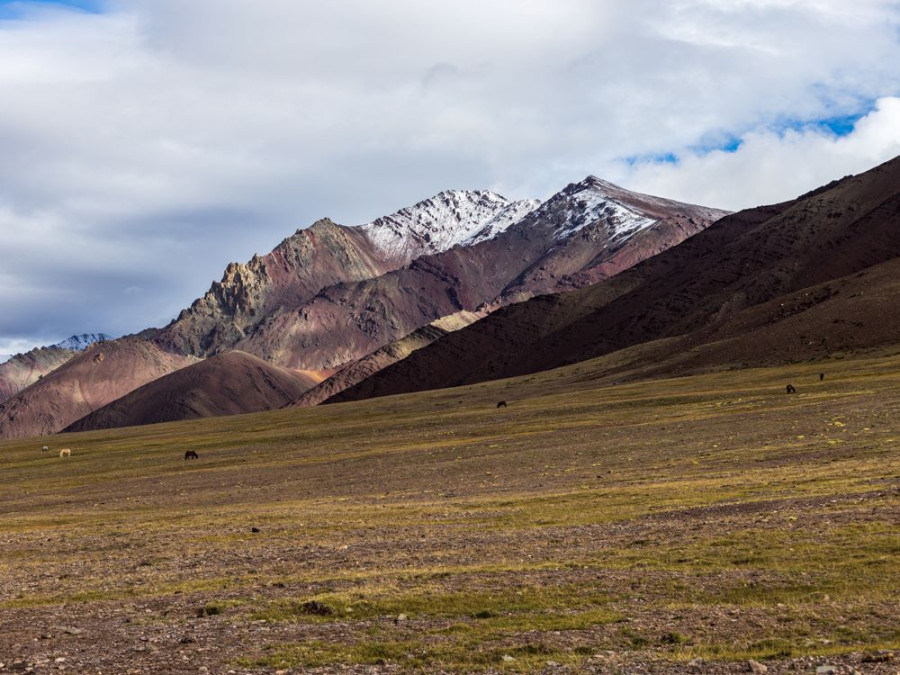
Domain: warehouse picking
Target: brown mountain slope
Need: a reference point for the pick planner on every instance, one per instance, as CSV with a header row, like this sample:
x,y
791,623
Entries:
x,y
97,376
588,231
227,384
297,269
23,370
699,288
381,358
323,255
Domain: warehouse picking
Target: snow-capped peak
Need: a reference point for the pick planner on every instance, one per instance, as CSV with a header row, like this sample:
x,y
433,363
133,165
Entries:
x,y
448,219
592,200
81,342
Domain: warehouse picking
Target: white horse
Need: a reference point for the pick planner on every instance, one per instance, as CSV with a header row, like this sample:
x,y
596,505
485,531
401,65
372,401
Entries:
x,y
65,452
45,449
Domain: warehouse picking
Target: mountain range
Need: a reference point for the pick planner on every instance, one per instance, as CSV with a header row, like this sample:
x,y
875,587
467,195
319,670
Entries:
x,y
807,279
469,286
330,295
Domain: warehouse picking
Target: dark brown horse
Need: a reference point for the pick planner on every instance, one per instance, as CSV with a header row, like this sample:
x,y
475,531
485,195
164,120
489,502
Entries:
x,y
501,404
190,454
791,389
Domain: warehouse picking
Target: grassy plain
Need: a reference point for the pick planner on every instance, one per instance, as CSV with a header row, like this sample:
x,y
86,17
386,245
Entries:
x,y
679,525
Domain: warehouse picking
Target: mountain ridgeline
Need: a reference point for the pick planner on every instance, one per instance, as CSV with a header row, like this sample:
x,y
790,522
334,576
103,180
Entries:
x,y
805,279
347,302
332,294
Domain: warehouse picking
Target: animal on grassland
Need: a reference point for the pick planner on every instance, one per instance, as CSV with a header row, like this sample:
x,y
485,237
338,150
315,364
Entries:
x,y
791,389
45,449
65,452
190,454
501,404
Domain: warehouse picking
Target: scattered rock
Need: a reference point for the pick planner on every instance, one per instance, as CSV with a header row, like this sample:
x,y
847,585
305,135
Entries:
x,y
757,667
187,640
879,657
826,670
73,631
316,607
401,617
255,530
507,658
695,663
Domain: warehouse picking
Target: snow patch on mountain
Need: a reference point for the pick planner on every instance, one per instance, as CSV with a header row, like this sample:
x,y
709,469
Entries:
x,y
81,342
446,220
594,200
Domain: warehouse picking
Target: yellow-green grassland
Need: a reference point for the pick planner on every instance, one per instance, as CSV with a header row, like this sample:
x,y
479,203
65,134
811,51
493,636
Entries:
x,y
682,525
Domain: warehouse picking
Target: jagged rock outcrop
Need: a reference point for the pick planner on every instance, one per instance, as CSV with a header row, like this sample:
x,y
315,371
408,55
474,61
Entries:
x,y
326,255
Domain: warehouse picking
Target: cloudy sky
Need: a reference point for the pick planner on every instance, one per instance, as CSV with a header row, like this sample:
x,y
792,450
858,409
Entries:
x,y
146,143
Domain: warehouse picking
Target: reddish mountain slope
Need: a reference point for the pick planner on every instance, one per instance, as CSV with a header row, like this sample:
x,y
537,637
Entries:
x,y
23,370
327,254
99,375
713,283
227,384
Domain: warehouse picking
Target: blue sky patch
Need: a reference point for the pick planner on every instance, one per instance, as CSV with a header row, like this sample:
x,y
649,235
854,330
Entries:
x,y
652,158
14,9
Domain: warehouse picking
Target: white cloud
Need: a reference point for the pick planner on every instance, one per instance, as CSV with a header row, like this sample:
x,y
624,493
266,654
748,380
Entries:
x,y
769,167
146,146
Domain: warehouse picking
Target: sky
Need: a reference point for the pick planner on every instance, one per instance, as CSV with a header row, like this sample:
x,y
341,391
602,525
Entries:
x,y
144,144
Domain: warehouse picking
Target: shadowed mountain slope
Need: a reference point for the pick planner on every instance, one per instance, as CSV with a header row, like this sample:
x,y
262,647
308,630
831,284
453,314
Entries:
x,y
705,289
227,384
383,357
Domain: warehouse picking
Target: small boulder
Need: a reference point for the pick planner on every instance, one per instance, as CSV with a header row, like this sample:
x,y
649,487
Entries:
x,y
757,667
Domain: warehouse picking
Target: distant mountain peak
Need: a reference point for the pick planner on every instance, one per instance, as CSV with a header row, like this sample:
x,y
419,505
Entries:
x,y
81,342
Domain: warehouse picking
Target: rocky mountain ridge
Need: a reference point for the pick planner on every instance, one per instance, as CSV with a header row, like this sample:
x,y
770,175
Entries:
x,y
766,285
331,294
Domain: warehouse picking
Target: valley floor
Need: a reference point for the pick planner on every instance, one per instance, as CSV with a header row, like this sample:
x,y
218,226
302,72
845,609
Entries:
x,y
681,525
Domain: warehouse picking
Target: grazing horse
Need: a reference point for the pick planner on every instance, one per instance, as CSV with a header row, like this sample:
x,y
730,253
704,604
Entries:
x,y
791,389
65,452
190,454
501,404
821,376
45,449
